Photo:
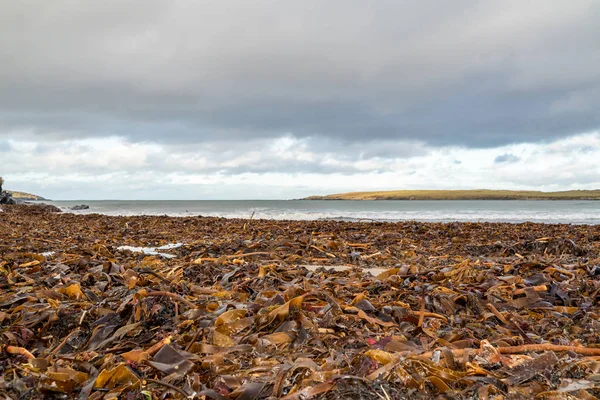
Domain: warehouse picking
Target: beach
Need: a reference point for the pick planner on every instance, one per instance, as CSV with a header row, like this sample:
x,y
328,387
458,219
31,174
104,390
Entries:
x,y
252,308
248,200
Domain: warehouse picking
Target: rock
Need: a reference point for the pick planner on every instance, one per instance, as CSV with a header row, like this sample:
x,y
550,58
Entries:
x,y
6,198
80,207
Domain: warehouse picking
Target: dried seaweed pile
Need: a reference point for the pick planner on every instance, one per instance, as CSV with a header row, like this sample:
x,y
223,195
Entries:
x,y
484,311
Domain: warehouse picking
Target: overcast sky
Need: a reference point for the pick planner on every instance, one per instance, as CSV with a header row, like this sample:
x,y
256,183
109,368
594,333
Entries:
x,y
256,99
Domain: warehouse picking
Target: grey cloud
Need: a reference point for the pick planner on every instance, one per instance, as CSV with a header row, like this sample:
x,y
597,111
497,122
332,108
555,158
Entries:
x,y
317,155
506,158
455,73
365,148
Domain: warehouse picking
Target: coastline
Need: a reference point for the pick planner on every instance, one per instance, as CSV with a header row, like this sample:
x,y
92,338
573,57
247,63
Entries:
x,y
477,194
574,211
236,294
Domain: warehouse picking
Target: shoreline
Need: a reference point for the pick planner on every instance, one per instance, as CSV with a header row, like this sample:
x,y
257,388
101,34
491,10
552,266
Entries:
x,y
348,303
336,219
576,212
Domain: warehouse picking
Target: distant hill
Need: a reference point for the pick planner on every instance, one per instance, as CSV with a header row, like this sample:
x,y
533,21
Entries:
x,y
479,194
25,196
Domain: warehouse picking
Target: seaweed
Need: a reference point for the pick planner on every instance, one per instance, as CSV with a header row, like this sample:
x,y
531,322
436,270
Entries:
x,y
251,309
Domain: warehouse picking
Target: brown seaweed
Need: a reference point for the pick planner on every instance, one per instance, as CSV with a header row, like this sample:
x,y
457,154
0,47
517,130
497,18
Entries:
x,y
462,310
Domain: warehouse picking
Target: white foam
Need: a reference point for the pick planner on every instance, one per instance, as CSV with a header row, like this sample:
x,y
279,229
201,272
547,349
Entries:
x,y
338,268
154,251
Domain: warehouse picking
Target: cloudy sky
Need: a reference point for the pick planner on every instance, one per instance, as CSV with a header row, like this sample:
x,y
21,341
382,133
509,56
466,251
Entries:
x,y
170,99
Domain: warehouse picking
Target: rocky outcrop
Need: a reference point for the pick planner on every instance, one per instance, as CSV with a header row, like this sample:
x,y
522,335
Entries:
x,y
11,204
80,207
6,198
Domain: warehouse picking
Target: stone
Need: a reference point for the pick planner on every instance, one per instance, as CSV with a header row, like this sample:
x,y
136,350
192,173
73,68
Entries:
x,y
80,207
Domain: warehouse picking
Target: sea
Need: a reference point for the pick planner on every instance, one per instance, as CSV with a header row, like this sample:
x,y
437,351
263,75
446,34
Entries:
x,y
516,211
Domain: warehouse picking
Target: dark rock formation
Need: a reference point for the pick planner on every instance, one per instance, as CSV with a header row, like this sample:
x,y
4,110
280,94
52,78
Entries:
x,y
6,198
80,207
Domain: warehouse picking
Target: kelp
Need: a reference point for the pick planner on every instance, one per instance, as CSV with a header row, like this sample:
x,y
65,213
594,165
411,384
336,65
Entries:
x,y
461,310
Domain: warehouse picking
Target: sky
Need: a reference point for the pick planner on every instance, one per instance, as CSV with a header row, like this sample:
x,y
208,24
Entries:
x,y
265,99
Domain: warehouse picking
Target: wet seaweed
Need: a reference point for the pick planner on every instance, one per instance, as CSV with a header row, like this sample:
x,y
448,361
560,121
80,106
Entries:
x,y
460,310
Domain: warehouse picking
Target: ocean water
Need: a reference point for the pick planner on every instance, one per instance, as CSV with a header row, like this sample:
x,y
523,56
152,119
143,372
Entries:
x,y
563,211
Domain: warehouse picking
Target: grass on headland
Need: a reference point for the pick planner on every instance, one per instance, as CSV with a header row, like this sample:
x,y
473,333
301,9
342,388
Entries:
x,y
24,196
479,194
